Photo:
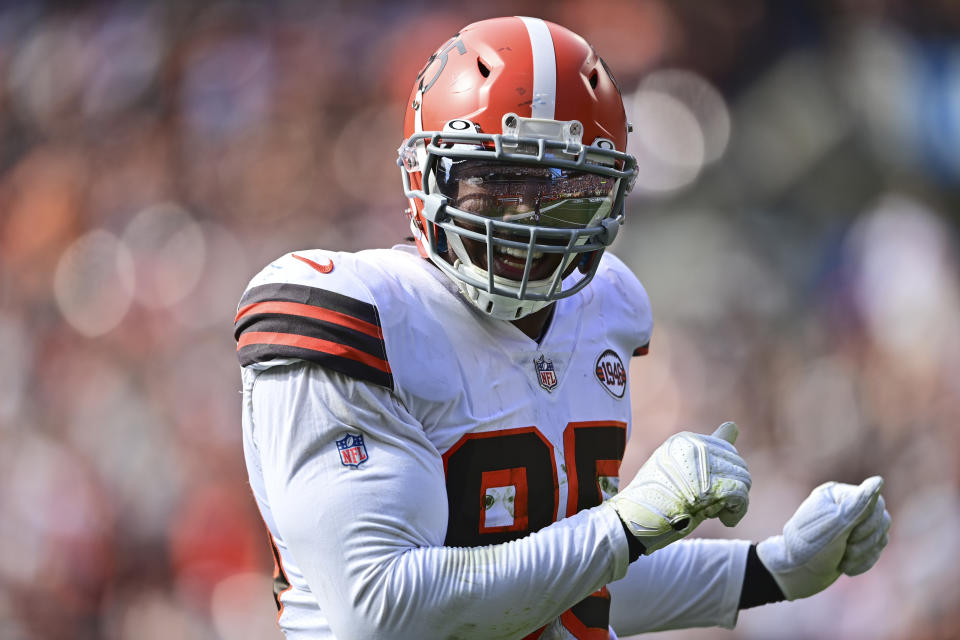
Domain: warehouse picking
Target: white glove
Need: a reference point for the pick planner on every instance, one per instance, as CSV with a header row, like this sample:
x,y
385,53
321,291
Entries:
x,y
839,528
688,478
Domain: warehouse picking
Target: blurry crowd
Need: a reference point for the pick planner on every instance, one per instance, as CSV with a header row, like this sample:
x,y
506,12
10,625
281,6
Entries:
x,y
795,223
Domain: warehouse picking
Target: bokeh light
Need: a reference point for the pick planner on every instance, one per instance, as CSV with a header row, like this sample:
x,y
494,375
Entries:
x,y
169,252
680,125
667,141
906,279
94,282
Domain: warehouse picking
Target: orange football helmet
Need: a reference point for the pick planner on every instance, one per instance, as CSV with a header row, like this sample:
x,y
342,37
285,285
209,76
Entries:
x,y
514,162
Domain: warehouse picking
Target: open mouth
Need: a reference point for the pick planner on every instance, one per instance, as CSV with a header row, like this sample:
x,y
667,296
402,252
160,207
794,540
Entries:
x,y
509,263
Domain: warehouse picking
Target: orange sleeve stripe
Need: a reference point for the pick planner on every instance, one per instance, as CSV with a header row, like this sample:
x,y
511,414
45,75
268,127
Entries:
x,y
310,311
313,344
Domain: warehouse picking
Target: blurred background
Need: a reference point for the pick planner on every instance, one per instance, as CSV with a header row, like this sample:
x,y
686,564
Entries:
x,y
795,223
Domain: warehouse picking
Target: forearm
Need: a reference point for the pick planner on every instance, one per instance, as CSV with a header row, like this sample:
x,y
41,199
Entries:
x,y
498,591
691,583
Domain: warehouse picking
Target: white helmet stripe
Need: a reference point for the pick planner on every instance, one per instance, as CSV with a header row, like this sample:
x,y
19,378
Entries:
x,y
544,68
418,112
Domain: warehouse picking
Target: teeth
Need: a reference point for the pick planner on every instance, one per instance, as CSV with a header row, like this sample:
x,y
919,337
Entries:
x,y
517,253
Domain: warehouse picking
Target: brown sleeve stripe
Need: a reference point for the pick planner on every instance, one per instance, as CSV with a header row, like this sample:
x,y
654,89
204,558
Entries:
x,y
314,297
642,350
307,311
279,321
250,338
263,346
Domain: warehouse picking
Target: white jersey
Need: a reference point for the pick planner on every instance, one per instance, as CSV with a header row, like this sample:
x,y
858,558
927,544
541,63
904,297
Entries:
x,y
426,471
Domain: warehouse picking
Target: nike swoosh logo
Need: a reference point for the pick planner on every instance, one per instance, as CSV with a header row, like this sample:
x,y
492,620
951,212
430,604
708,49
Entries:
x,y
322,268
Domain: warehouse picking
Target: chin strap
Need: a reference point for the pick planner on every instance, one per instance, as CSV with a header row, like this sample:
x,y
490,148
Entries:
x,y
494,305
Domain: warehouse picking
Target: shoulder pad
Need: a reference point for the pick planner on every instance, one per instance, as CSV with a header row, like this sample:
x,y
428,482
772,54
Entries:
x,y
291,311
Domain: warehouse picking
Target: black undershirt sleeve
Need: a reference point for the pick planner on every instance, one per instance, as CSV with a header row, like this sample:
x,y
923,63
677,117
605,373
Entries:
x,y
759,587
636,547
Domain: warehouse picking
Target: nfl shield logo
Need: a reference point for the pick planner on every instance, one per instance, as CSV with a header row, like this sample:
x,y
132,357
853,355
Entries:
x,y
546,374
353,452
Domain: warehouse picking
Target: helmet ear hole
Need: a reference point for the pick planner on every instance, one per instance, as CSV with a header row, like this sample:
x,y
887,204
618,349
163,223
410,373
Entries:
x,y
594,78
484,69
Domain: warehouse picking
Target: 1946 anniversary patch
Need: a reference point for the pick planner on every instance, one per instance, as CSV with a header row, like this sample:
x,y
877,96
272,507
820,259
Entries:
x,y
611,373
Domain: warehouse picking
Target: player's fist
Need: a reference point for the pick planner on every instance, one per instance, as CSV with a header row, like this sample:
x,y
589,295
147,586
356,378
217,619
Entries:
x,y
689,478
839,528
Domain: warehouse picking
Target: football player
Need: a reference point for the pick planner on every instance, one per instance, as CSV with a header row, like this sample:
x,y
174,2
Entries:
x,y
433,434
